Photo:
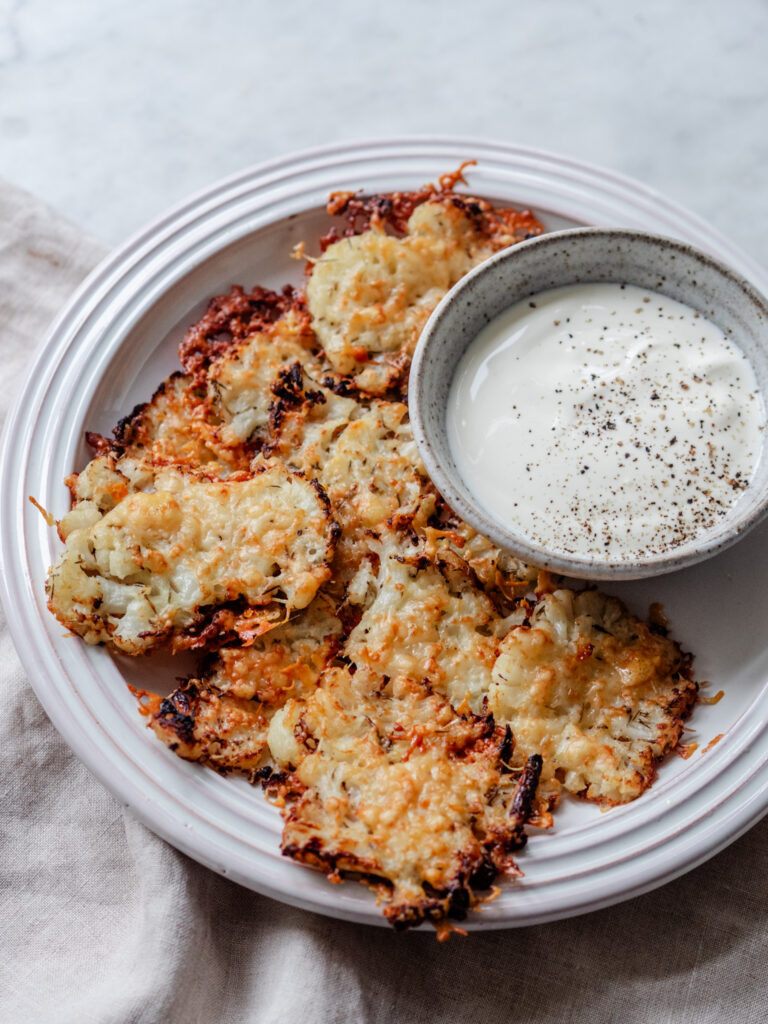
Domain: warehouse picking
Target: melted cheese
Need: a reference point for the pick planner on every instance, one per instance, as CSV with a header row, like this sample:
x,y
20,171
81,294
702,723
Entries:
x,y
371,294
172,430
200,724
365,457
146,569
223,717
286,661
424,622
240,383
394,784
594,691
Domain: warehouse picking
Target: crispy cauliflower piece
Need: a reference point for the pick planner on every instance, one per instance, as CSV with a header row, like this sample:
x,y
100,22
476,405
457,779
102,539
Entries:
x,y
240,396
172,429
363,453
222,717
593,690
286,661
199,424
387,781
158,563
371,294
424,621
166,435
200,724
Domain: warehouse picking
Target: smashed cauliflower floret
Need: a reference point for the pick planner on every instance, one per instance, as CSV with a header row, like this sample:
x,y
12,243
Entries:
x,y
388,781
371,294
222,717
140,575
424,621
363,454
593,690
239,384
200,724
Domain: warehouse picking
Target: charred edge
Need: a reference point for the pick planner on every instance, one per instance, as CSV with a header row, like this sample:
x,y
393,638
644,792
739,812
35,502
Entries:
x,y
443,518
272,779
484,875
129,427
334,862
333,526
405,916
506,750
657,620
124,432
344,387
177,714
472,739
420,563
491,222
681,702
207,665
488,726
454,901
290,393
394,209
100,445
214,627
686,665
526,790
334,535
391,208
402,522
229,319
289,385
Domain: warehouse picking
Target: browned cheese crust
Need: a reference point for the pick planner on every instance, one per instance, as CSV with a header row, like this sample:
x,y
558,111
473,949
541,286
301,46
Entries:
x,y
387,782
221,718
371,291
164,566
600,694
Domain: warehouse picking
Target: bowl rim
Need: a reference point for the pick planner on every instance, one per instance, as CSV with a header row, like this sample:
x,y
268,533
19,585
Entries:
x,y
459,495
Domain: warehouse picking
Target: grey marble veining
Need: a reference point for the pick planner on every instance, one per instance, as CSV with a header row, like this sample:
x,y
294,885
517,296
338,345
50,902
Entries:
x,y
113,111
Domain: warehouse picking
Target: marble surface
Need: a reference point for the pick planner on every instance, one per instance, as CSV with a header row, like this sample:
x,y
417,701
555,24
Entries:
x,y
113,111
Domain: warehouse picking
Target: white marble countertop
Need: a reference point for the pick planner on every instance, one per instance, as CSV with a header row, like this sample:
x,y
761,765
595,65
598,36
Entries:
x,y
113,111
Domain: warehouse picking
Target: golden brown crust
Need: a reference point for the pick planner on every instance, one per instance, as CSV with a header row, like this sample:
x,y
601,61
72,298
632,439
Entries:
x,y
601,694
390,784
374,285
394,210
231,318
162,566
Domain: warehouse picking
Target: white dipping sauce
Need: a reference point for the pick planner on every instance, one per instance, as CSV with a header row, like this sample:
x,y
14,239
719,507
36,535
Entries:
x,y
605,420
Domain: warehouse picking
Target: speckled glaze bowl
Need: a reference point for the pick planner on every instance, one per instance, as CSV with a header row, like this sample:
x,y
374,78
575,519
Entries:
x,y
583,255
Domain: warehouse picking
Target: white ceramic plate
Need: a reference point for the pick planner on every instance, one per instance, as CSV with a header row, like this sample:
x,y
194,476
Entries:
x,y
110,348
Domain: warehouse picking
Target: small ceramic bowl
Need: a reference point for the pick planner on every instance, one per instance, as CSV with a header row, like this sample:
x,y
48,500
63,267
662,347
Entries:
x,y
583,255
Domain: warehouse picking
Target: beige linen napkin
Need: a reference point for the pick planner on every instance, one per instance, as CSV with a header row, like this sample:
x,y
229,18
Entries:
x,y
103,922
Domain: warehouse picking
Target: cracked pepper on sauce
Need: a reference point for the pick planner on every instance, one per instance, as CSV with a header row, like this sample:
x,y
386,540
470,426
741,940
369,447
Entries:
x,y
605,421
